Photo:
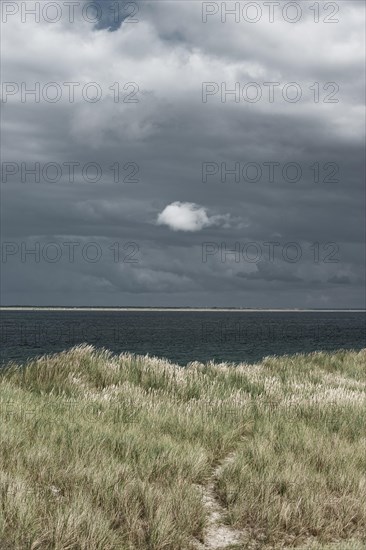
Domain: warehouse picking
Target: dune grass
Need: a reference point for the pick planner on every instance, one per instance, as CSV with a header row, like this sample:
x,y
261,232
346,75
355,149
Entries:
x,y
109,452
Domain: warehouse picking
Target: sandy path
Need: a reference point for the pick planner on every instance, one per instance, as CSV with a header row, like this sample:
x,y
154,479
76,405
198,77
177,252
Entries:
x,y
217,535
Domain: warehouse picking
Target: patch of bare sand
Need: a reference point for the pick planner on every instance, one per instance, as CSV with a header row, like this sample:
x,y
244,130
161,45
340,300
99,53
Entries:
x,y
217,535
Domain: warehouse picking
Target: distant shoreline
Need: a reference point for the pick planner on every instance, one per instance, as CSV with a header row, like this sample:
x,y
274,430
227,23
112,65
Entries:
x,y
179,309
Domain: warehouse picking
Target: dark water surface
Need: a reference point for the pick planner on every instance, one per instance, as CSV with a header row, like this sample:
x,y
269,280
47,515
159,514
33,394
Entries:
x,y
181,336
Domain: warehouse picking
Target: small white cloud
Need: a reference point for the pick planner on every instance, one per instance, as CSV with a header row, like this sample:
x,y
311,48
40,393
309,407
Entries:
x,y
186,216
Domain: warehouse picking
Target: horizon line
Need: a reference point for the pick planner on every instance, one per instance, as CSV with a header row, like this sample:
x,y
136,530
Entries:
x,y
173,308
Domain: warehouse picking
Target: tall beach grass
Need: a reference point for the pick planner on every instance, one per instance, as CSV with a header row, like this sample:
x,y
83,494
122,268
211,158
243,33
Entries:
x,y
109,452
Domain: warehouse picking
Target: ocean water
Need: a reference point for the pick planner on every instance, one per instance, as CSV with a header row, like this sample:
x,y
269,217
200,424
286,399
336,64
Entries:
x,y
181,336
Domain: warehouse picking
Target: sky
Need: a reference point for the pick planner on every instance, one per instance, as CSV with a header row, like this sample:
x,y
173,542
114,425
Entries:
x,y
183,153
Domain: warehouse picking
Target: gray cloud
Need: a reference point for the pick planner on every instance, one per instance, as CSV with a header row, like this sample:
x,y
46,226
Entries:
x,y
165,140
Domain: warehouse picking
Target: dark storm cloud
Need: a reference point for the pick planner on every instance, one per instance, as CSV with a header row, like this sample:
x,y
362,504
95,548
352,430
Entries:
x,y
114,13
171,136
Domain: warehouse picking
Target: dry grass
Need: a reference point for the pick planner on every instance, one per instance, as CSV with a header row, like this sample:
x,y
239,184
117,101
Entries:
x,y
106,452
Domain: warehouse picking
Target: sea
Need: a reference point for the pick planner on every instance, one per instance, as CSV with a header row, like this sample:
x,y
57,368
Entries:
x,y
182,336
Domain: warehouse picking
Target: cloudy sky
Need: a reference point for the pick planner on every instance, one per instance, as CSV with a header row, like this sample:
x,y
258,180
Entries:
x,y
173,154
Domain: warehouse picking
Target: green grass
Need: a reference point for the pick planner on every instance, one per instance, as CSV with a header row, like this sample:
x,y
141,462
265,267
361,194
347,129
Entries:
x,y
108,452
